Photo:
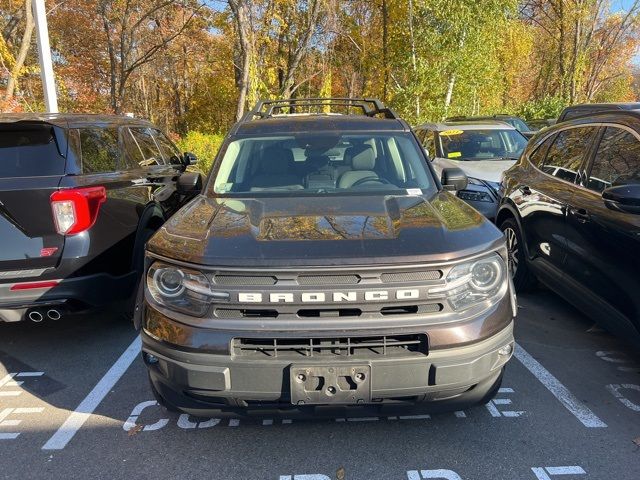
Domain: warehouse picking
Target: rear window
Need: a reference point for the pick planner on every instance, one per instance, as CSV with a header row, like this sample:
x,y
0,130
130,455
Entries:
x,y
29,152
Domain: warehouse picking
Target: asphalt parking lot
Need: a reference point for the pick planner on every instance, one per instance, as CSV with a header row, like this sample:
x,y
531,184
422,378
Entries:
x,y
75,403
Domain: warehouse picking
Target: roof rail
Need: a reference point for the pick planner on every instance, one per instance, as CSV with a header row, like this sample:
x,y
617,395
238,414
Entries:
x,y
370,107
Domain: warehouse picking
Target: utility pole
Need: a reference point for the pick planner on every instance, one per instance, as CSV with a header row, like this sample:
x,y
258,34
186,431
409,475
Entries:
x,y
44,55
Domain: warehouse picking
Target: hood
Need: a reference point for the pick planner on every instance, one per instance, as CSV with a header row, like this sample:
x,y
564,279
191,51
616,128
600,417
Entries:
x,y
326,231
489,170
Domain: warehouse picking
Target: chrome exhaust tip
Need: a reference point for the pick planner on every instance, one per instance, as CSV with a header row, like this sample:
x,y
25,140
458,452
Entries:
x,y
54,314
35,316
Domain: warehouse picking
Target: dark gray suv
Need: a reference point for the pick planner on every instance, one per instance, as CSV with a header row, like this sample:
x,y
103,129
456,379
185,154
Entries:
x,y
325,265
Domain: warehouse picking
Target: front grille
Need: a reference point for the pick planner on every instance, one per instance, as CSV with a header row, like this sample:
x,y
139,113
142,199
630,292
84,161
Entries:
x,y
402,277
356,347
242,280
328,279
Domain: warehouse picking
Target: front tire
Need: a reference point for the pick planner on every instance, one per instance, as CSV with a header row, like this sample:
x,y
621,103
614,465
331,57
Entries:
x,y
523,278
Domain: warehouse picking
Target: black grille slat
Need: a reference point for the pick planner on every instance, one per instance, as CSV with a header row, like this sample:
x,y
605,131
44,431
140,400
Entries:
x,y
388,345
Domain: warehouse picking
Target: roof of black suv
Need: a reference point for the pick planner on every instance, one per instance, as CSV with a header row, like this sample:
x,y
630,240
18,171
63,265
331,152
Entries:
x,y
574,111
69,120
311,115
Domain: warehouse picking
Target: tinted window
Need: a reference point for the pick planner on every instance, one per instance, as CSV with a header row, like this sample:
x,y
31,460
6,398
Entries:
x,y
538,154
565,155
29,152
150,152
132,156
617,160
99,148
169,151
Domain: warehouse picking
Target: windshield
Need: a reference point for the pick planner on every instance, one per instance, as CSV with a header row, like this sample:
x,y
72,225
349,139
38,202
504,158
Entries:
x,y
519,124
29,152
494,144
322,163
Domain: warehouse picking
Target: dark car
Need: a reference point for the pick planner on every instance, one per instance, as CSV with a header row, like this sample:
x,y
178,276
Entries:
x,y
324,264
516,122
79,197
587,109
571,215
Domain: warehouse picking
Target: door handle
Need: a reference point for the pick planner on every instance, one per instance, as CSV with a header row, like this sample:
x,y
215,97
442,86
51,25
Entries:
x,y
525,190
581,214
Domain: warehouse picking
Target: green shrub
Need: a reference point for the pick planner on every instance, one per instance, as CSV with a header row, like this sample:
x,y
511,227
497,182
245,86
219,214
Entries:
x,y
204,145
547,107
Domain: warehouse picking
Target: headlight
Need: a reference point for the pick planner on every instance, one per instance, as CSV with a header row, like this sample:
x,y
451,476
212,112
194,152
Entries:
x,y
474,196
182,289
472,283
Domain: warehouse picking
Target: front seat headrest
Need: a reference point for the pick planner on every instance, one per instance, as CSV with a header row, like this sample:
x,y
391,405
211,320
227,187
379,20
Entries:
x,y
364,158
276,160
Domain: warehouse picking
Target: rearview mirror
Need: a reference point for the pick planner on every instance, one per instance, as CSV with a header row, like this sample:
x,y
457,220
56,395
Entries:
x,y
189,184
454,179
189,159
623,198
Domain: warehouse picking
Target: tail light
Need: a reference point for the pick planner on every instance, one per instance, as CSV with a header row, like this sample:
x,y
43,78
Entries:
x,y
76,209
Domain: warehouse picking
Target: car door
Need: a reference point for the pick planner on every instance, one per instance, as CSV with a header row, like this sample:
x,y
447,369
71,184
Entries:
x,y
602,243
544,194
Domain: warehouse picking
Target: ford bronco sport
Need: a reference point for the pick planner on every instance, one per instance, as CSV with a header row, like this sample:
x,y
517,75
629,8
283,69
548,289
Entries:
x,y
325,266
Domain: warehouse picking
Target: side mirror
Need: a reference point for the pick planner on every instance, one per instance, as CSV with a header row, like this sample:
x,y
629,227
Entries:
x,y
189,184
454,179
623,198
189,159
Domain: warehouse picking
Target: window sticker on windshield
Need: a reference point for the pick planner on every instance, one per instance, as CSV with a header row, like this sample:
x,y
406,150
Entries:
x,y
452,132
454,154
414,191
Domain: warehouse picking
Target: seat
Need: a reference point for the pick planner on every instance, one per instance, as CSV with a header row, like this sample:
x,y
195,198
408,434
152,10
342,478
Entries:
x,y
363,161
275,169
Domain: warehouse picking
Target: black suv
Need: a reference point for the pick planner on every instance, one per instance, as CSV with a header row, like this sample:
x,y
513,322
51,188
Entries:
x,y
571,215
325,265
587,109
79,197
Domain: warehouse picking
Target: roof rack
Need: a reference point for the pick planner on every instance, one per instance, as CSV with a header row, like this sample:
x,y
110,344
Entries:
x,y
370,107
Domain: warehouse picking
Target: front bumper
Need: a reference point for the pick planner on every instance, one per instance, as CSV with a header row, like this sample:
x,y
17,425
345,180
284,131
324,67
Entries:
x,y
450,378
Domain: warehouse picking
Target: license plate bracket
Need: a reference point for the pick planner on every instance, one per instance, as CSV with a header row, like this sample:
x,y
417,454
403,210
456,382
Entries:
x,y
345,384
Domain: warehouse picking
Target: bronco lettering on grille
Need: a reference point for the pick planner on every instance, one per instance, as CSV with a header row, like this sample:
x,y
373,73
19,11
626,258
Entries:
x,y
323,297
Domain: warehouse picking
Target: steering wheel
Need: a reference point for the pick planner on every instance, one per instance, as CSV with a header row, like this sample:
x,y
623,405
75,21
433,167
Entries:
x,y
370,178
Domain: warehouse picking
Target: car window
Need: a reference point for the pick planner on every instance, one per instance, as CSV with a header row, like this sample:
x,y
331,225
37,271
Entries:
x,y
567,152
371,162
481,144
537,157
617,160
29,152
99,149
150,153
169,151
429,142
131,155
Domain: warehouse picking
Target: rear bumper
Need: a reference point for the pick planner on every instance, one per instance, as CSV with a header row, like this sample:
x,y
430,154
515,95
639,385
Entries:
x,y
446,379
68,295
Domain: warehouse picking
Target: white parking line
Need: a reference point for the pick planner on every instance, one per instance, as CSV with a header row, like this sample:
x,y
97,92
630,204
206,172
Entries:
x,y
558,390
76,419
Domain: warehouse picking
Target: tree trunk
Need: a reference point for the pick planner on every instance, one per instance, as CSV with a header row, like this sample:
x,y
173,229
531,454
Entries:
x,y
22,52
447,99
240,10
385,49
